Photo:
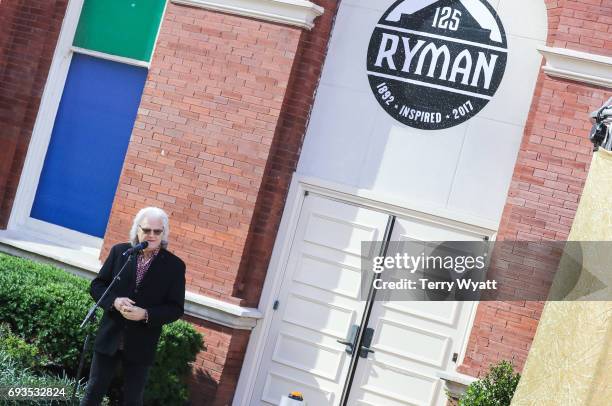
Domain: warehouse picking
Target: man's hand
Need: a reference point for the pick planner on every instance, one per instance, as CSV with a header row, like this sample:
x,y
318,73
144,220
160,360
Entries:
x,y
123,302
126,307
134,313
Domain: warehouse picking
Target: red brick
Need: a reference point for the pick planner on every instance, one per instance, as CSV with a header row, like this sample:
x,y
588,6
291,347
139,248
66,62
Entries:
x,y
23,70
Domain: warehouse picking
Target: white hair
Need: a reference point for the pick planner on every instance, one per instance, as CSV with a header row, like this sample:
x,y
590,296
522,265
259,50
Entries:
x,y
150,213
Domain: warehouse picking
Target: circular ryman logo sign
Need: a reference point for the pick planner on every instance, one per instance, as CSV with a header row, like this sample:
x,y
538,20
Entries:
x,y
433,64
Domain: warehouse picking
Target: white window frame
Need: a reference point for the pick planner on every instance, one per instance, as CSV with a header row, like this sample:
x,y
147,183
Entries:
x,y
20,221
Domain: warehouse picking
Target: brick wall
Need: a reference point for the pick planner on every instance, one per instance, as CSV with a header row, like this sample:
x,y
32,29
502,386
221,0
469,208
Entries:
x,y
582,25
548,177
28,35
284,155
216,370
216,140
202,137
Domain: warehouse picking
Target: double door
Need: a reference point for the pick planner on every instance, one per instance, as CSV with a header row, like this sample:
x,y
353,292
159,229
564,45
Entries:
x,y
340,350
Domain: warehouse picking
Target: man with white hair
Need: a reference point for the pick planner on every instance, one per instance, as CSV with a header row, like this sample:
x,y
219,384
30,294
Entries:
x,y
149,294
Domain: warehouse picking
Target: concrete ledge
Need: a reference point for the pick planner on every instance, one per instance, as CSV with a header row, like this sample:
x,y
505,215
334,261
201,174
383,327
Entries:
x,y
579,66
456,383
299,13
52,250
219,312
84,262
25,249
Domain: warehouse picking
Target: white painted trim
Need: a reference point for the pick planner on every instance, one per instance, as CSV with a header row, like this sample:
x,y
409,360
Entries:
x,y
61,235
271,288
466,334
579,66
284,241
461,379
455,382
41,133
109,57
51,249
299,13
220,312
401,207
159,28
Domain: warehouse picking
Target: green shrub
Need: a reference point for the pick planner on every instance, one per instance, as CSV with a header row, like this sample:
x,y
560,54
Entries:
x,y
24,354
46,306
177,348
496,388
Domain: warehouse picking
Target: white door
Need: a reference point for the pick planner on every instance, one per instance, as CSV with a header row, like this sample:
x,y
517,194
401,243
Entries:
x,y
318,303
412,340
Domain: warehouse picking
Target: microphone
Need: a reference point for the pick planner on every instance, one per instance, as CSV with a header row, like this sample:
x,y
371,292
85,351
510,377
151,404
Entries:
x,y
136,248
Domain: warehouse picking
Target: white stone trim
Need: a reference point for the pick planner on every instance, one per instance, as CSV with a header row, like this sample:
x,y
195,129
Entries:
x,y
299,13
51,249
84,262
220,312
455,382
579,66
109,57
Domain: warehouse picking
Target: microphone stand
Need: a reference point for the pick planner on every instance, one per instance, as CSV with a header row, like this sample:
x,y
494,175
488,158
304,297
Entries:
x,y
91,317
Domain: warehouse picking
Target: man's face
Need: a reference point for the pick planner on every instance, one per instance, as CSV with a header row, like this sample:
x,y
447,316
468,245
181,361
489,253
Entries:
x,y
150,230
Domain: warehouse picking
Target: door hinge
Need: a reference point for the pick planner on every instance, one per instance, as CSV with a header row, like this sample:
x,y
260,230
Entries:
x,y
275,305
455,356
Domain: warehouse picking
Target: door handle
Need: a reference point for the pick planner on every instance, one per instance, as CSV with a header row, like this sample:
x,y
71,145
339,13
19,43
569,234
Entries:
x,y
365,349
350,341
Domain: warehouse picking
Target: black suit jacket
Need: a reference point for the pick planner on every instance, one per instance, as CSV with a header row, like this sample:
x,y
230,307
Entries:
x,y
161,292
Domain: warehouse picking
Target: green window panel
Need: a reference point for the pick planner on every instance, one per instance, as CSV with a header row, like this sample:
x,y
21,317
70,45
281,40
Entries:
x,y
120,27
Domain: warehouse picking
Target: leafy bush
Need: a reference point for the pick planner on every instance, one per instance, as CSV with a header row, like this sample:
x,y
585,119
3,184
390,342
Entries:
x,y
496,388
24,354
46,306
177,348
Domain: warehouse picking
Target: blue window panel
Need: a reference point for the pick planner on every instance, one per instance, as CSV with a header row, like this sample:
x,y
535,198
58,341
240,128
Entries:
x,y
88,144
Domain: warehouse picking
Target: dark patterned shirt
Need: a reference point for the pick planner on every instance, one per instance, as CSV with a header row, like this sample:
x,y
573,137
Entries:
x,y
142,265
